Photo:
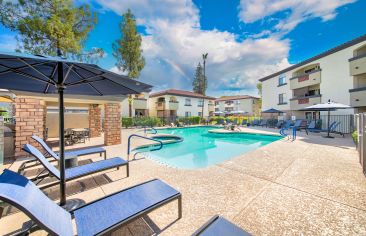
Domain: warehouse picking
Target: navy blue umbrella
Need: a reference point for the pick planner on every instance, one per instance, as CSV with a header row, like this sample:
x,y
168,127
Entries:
x,y
272,110
49,75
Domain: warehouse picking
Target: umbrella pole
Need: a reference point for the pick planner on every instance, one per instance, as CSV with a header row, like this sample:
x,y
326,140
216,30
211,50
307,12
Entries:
x,y
61,134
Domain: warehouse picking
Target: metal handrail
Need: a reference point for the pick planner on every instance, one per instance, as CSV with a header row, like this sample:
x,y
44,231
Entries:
x,y
143,137
152,128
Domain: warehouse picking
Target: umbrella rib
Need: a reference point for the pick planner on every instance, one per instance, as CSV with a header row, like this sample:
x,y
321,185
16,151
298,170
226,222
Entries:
x,y
39,72
101,94
68,72
20,68
83,80
54,72
26,74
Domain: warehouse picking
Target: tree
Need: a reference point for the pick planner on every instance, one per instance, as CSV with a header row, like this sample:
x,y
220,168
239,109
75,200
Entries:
x,y
50,27
199,82
127,50
259,87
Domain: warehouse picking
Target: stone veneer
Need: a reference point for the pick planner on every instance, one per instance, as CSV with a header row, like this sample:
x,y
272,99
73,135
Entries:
x,y
112,124
94,120
1,144
30,117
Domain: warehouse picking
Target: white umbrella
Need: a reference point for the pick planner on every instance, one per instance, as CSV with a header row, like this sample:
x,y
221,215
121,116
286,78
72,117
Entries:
x,y
328,106
238,112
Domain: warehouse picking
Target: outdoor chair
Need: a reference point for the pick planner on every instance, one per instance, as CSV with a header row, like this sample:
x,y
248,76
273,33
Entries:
x,y
312,128
263,123
255,122
244,123
68,154
332,129
73,172
298,124
279,124
99,217
218,226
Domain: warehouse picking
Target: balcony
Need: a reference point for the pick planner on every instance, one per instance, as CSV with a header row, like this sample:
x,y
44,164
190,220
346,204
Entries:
x,y
173,105
160,106
140,103
305,80
358,97
211,107
357,65
302,102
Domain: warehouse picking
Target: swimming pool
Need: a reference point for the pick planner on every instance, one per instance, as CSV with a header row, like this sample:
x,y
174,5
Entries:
x,y
202,149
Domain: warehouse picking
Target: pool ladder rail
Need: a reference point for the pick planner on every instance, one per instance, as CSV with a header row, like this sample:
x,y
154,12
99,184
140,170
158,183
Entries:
x,y
143,137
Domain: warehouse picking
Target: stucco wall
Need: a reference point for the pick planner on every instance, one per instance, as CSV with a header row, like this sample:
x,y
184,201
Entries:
x,y
72,120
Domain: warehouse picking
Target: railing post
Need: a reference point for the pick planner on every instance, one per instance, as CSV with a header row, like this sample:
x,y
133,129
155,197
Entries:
x,y
1,144
363,152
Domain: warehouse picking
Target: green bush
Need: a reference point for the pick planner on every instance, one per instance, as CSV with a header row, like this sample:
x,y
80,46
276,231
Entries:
x,y
192,120
355,136
272,122
127,122
141,121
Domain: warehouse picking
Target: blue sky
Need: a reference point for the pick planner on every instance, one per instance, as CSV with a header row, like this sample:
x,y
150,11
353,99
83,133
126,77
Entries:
x,y
245,40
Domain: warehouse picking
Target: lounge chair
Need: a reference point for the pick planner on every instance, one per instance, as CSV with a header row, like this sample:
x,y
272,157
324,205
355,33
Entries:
x,y
74,172
243,122
279,124
312,128
68,154
95,218
255,122
298,124
218,226
263,123
332,129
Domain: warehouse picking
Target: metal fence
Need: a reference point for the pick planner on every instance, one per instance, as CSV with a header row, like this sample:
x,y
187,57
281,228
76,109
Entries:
x,y
360,121
346,123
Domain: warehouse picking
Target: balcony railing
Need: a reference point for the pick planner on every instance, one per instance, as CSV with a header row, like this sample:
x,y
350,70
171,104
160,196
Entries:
x,y
305,80
298,103
357,65
358,97
173,105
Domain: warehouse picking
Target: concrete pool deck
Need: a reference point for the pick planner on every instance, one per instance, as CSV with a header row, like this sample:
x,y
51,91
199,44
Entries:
x,y
312,186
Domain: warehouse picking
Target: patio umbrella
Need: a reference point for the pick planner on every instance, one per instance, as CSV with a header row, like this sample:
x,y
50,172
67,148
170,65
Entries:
x,y
51,75
328,106
272,110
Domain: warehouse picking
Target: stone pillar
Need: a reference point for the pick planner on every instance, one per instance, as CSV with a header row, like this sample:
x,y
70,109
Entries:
x,y
94,120
112,124
30,120
1,144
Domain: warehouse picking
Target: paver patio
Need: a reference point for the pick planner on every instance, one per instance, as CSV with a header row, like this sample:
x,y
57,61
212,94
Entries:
x,y
312,186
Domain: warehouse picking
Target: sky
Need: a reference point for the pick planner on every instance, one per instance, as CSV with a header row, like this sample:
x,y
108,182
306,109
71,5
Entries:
x,y
245,39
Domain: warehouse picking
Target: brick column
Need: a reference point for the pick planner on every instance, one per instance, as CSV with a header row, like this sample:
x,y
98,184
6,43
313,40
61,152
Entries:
x,y
112,124
30,120
1,144
94,120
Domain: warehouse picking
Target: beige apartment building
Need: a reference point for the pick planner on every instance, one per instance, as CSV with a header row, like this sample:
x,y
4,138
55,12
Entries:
x,y
139,105
173,103
237,105
338,74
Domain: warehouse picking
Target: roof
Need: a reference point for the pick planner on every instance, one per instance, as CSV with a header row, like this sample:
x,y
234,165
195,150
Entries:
x,y
236,97
323,54
182,93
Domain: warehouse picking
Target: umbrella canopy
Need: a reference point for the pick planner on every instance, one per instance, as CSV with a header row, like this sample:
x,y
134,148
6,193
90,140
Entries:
x,y
5,99
238,112
328,106
272,110
40,74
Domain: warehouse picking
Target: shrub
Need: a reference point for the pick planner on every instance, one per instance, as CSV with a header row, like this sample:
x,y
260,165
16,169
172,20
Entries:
x,y
127,122
355,136
192,120
272,122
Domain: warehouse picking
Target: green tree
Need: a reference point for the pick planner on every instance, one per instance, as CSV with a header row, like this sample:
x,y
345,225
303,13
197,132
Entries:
x,y
44,27
127,50
199,81
259,87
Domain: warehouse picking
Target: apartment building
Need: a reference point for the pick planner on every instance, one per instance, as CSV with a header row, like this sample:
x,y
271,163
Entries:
x,y
237,105
180,103
338,74
139,105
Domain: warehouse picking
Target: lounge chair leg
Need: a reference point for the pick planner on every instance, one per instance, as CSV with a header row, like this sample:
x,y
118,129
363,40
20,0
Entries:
x,y
179,207
128,170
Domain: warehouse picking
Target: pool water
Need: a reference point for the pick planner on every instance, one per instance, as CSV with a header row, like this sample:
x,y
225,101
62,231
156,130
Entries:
x,y
202,149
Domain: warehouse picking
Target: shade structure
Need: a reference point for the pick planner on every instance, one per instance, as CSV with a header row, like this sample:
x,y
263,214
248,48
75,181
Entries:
x,y
237,112
328,106
272,110
218,112
50,75
5,99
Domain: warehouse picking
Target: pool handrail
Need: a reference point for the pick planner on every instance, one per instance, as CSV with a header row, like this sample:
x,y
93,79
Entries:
x,y
143,137
152,128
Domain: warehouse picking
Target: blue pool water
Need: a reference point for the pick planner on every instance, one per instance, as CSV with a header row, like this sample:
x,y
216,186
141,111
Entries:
x,y
201,148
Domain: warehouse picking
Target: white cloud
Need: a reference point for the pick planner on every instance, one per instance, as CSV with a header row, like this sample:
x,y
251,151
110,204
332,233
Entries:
x,y
175,43
299,11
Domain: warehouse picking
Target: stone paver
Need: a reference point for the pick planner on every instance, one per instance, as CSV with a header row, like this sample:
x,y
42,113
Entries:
x,y
311,186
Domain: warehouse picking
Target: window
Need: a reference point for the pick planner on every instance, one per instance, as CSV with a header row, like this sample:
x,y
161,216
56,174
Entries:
x,y
237,102
282,98
199,113
188,102
282,80
188,114
200,103
216,103
217,109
